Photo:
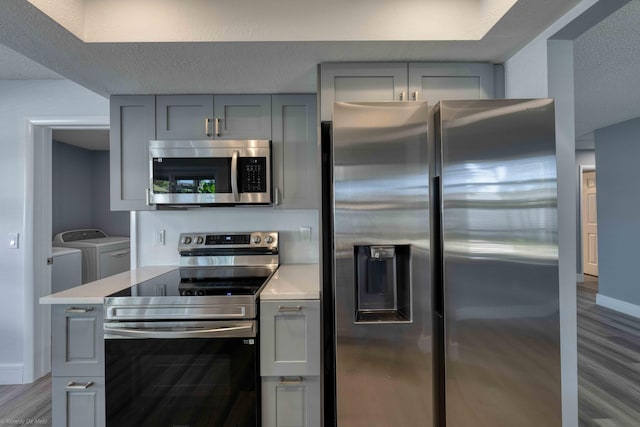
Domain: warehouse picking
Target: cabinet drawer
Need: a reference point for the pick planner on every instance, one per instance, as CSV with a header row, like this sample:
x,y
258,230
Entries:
x,y
291,402
290,337
77,348
78,401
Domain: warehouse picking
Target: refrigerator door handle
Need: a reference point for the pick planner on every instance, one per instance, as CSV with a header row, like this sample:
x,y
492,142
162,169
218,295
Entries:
x,y
438,261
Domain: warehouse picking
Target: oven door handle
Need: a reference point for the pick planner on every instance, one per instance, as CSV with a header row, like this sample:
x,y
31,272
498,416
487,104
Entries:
x,y
164,333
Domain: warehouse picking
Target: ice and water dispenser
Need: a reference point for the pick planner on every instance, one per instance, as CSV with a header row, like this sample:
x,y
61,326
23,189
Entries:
x,y
382,283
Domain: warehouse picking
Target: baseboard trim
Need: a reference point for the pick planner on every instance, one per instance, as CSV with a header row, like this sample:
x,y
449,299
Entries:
x,y
11,373
618,305
579,277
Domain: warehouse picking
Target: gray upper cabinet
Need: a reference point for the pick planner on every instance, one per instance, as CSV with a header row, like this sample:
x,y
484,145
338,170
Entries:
x,y
184,117
361,82
242,117
433,82
295,151
213,117
401,81
133,124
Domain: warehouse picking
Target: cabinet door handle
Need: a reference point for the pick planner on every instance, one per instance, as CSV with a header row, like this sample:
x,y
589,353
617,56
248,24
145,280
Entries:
x,y
217,123
207,121
290,381
284,308
78,309
276,197
415,95
120,254
402,95
73,386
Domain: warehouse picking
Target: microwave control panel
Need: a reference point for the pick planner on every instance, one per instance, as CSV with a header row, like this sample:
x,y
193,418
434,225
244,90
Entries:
x,y
253,174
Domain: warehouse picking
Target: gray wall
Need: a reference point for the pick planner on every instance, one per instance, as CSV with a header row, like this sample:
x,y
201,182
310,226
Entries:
x,y
583,158
22,100
617,155
80,191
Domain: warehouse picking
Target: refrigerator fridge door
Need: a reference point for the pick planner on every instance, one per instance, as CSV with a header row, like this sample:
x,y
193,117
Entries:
x,y
382,289
500,268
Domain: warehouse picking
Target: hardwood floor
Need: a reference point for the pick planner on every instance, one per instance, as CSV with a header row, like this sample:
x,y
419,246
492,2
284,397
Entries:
x,y
608,363
28,404
608,372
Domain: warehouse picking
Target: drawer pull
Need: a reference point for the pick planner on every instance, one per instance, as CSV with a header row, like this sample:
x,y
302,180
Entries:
x,y
73,386
290,381
285,308
78,309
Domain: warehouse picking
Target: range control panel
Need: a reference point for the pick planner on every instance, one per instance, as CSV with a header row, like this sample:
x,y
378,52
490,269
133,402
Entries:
x,y
254,239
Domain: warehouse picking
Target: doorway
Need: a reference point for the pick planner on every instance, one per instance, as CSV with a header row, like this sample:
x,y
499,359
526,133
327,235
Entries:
x,y
38,225
589,220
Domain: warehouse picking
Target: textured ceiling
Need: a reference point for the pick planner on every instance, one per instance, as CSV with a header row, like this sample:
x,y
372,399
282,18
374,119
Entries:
x,y
244,67
607,71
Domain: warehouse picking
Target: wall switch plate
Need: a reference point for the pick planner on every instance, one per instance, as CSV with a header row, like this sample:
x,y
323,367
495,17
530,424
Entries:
x,y
158,237
305,233
14,240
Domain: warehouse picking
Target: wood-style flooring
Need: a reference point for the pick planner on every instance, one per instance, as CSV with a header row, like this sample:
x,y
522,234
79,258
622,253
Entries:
x,y
608,372
608,363
26,404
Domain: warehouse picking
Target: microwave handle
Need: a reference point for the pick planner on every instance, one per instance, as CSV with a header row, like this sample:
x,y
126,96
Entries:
x,y
234,176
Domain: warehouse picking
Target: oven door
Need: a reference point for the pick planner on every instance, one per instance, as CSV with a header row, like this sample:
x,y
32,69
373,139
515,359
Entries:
x,y
188,374
210,172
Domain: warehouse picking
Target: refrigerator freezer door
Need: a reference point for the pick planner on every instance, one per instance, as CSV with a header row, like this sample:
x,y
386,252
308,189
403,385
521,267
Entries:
x,y
499,229
381,217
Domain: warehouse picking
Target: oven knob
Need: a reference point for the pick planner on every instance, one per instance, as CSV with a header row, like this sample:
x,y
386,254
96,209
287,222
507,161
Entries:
x,y
199,240
187,292
256,239
268,239
199,292
186,240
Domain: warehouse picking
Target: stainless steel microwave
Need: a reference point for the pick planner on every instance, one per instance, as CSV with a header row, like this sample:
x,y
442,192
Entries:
x,y
210,172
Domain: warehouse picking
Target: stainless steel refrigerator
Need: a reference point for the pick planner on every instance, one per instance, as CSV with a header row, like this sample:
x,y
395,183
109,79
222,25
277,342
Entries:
x,y
441,246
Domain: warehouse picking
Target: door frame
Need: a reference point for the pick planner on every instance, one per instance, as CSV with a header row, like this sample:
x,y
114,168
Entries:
x,y
37,236
582,169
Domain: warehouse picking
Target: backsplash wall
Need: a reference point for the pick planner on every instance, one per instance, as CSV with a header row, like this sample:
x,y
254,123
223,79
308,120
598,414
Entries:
x,y
293,250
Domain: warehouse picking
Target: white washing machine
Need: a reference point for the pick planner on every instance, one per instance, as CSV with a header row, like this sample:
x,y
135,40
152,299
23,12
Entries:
x,y
66,270
102,255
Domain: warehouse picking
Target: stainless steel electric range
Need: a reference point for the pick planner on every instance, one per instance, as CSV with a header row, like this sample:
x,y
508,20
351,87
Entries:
x,y
182,348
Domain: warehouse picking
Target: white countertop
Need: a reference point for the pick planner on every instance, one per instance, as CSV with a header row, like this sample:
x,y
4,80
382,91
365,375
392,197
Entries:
x,y
94,292
294,281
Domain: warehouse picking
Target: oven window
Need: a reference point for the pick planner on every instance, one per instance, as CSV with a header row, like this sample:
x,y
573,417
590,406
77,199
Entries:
x,y
182,382
191,175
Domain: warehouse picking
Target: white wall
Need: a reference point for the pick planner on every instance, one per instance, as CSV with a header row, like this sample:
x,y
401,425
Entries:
x,y
20,101
293,250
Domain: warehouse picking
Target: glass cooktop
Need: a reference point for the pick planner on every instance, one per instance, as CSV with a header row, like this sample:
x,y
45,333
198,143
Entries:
x,y
208,281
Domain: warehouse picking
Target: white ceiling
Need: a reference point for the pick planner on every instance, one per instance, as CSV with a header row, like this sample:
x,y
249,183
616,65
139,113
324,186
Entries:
x,y
606,57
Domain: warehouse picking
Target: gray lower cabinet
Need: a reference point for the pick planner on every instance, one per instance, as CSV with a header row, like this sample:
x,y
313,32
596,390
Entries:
x,y
77,366
291,401
295,151
133,125
78,401
290,363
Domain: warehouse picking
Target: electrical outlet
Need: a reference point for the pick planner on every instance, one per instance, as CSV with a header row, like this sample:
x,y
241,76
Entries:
x,y
305,234
158,237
